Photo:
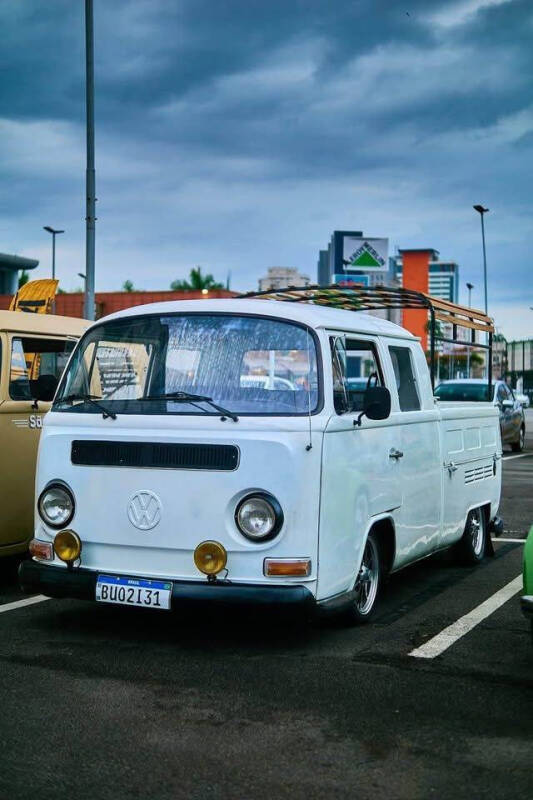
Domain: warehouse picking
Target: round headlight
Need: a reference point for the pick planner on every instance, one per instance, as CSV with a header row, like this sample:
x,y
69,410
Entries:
x,y
259,517
67,546
56,505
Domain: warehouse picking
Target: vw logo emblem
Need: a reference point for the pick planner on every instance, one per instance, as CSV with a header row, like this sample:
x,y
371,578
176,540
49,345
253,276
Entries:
x,y
144,510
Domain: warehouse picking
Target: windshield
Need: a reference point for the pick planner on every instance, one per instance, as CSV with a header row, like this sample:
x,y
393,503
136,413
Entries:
x,y
473,392
249,365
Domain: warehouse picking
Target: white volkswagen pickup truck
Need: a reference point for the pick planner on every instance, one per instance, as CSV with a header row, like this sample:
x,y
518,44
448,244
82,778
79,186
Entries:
x,y
254,451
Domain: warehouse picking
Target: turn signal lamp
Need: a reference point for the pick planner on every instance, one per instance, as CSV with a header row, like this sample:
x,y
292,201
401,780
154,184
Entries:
x,y
67,546
210,557
287,567
41,550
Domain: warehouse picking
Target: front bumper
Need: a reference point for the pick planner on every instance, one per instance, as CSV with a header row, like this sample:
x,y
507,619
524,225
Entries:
x,y
526,604
80,584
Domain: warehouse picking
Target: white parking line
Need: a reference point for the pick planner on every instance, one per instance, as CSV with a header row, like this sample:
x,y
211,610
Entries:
x,y
517,541
520,455
28,601
439,643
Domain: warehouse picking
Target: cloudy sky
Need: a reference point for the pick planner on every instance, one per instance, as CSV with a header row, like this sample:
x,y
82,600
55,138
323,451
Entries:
x,y
238,134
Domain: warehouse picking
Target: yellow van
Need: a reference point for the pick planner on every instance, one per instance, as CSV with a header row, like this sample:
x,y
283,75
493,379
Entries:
x,y
34,349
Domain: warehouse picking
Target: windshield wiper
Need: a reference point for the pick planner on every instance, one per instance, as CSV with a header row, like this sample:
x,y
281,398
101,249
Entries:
x,y
187,397
88,398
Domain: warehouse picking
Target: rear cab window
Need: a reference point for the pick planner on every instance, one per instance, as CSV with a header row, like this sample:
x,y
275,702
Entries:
x,y
405,377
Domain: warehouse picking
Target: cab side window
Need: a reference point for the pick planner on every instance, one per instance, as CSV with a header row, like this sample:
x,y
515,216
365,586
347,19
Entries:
x,y
37,363
404,373
355,367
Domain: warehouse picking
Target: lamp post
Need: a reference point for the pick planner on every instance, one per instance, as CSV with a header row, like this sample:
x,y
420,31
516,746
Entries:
x,y
54,233
469,286
482,211
90,217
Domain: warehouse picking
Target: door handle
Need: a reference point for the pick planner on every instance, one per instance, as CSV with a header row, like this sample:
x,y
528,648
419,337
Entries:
x,y
396,454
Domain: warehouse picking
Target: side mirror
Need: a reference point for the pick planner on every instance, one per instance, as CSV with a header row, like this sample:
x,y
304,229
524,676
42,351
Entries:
x,y
376,404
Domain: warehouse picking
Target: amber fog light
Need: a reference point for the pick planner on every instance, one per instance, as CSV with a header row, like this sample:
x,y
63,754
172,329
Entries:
x,y
67,546
41,550
210,557
287,567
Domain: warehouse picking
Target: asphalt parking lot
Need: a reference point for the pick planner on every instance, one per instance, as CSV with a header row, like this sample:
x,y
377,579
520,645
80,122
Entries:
x,y
104,702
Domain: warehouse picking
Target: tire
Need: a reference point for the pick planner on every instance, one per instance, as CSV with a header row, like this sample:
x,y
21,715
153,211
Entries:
x,y
367,584
519,445
471,548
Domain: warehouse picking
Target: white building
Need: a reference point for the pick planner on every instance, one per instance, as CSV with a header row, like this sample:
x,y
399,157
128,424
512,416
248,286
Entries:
x,y
281,277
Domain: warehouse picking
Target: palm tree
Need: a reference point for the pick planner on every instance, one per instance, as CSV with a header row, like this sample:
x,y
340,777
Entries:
x,y
196,283
23,278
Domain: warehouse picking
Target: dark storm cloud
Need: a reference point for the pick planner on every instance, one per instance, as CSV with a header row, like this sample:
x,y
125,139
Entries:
x,y
270,123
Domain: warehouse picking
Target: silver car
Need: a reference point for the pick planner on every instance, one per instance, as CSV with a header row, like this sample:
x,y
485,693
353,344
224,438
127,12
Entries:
x,y
512,418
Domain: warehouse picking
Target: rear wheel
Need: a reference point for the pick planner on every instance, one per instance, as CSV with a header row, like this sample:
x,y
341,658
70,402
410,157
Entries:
x,y
367,584
472,545
519,445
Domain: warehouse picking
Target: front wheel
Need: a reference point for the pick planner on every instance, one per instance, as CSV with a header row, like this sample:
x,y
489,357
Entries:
x,y
472,545
367,584
519,445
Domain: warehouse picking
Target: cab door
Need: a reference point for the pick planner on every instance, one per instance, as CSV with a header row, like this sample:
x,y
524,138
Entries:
x,y
415,423
359,479
510,413
24,359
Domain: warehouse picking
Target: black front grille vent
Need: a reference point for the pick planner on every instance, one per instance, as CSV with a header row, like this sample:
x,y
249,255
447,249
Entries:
x,y
155,455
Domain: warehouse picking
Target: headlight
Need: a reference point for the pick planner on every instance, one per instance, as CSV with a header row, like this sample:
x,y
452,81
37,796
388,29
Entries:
x,y
259,516
56,505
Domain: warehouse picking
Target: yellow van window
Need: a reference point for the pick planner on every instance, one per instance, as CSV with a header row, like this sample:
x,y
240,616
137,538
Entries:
x,y
37,362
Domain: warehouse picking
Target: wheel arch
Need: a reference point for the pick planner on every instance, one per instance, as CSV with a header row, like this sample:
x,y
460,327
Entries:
x,y
384,529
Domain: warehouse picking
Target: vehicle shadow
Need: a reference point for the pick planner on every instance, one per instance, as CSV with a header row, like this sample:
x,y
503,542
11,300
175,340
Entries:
x,y
237,629
9,583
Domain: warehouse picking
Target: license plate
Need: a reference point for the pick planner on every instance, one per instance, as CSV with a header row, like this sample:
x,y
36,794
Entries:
x,y
133,592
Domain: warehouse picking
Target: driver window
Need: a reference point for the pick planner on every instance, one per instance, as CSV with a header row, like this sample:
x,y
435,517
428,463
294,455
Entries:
x,y
36,363
355,367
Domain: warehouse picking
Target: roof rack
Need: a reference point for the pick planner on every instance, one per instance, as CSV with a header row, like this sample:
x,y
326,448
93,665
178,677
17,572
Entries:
x,y
362,298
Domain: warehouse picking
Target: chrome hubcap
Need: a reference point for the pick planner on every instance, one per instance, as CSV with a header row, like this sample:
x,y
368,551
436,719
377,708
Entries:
x,y
366,585
477,531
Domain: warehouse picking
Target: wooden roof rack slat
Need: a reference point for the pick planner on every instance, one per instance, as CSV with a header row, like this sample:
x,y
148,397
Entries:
x,y
362,298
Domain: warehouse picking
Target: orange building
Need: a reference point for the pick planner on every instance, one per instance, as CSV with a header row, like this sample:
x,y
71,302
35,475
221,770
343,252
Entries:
x,y
416,276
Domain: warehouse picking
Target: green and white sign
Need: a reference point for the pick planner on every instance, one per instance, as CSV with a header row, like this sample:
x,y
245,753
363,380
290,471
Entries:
x,y
370,255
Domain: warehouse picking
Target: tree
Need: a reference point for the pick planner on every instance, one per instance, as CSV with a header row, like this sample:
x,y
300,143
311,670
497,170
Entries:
x,y
128,286
196,283
23,278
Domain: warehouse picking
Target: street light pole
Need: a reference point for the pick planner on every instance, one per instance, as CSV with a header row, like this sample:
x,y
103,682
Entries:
x,y
54,232
482,211
90,217
469,286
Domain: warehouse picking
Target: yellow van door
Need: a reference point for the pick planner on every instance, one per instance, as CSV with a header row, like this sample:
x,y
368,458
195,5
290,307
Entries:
x,y
21,421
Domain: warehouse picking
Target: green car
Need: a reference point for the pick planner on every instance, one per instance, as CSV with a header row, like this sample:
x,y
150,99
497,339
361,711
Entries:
x,y
527,597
